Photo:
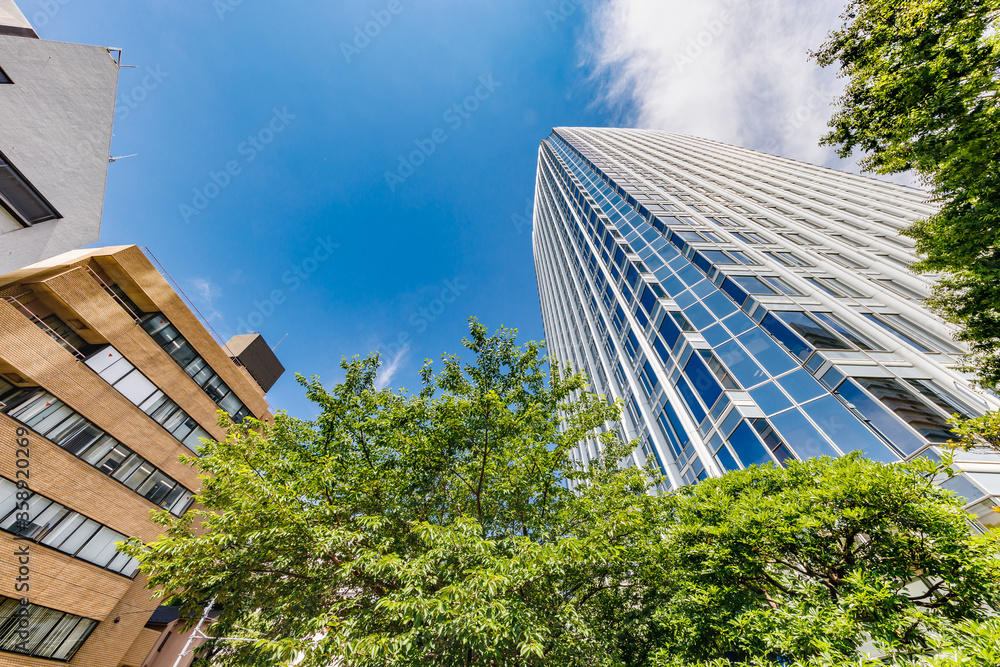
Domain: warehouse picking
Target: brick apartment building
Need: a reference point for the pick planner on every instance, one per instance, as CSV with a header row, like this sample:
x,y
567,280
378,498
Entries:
x,y
106,378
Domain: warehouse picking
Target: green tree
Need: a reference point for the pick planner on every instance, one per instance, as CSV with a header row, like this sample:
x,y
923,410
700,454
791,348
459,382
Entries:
x,y
427,529
822,558
978,433
922,95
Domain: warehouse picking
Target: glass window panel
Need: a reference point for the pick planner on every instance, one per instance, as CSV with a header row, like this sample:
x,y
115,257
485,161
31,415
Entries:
x,y
8,497
113,459
97,451
77,539
703,380
801,386
943,399
748,446
802,436
741,364
693,405
75,639
42,622
61,533
784,335
908,408
136,387
130,567
847,332
101,547
770,399
813,332
156,487
842,426
103,358
138,474
752,285
47,420
48,646
123,471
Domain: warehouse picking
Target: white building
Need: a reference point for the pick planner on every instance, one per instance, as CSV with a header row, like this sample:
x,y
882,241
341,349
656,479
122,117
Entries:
x,y
746,308
57,104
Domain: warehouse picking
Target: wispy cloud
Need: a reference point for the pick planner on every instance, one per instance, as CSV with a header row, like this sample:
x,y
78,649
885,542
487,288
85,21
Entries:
x,y
730,70
389,370
205,292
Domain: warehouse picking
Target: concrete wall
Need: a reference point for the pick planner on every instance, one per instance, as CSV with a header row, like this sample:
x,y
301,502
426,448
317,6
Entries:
x,y
56,130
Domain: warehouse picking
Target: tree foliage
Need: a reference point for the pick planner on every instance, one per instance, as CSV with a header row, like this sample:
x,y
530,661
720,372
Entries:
x,y
822,558
922,95
426,529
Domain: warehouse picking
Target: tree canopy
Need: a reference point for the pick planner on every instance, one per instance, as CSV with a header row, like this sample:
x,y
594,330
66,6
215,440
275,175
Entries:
x,y
441,529
820,560
922,95
426,529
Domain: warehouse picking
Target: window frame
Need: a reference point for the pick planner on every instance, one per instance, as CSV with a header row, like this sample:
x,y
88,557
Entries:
x,y
10,208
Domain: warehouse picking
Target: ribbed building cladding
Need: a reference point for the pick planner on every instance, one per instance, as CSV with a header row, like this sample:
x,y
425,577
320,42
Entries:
x,y
746,308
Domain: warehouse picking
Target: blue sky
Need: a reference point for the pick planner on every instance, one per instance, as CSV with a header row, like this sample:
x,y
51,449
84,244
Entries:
x,y
263,145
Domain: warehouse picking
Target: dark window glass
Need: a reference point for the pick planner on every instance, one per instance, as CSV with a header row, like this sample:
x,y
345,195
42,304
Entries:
x,y
847,332
648,300
670,332
734,291
748,446
20,198
943,399
696,410
50,633
899,334
881,418
815,333
784,335
703,380
771,440
718,257
908,407
752,284
803,436
4,78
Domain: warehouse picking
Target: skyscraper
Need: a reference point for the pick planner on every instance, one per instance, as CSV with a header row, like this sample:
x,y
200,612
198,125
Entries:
x,y
746,308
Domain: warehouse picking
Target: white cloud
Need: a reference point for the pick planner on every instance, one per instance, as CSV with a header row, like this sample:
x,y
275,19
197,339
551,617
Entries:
x,y
205,294
729,70
388,370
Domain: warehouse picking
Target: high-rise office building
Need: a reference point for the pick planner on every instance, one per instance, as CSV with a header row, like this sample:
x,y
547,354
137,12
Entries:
x,y
747,309
106,378
57,104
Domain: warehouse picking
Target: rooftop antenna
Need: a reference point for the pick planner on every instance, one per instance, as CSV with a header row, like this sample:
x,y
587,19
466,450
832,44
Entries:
x,y
279,342
120,157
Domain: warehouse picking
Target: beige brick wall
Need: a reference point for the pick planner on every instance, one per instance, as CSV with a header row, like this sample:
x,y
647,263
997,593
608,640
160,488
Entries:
x,y
57,580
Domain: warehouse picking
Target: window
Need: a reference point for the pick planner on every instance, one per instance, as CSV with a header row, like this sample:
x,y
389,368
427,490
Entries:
x,y
137,388
51,634
843,261
847,332
20,198
53,419
910,333
718,257
781,286
752,284
3,77
771,440
49,523
879,416
61,333
945,400
907,407
168,338
813,332
789,259
834,287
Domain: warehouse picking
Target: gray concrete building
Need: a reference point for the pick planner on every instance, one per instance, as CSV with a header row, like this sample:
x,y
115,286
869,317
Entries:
x,y
57,104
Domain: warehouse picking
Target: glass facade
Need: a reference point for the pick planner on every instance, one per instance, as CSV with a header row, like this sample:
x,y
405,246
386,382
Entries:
x,y
745,308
